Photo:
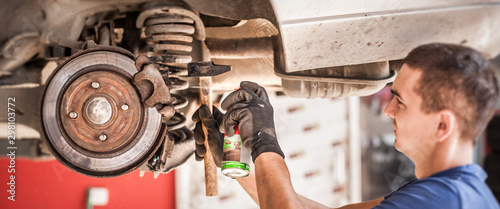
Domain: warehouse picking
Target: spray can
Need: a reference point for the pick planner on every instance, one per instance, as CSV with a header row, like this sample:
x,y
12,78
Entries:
x,y
235,156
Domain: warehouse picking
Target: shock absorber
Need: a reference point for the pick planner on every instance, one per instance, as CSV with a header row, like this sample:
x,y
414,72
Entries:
x,y
171,34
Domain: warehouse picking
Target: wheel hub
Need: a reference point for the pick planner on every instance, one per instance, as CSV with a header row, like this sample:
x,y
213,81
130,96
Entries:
x,y
101,112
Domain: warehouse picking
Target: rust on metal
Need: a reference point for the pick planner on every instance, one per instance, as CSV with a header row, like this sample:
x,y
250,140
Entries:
x,y
171,47
169,19
168,37
100,112
206,69
151,86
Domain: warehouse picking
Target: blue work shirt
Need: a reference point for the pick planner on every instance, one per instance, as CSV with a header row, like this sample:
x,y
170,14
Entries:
x,y
459,187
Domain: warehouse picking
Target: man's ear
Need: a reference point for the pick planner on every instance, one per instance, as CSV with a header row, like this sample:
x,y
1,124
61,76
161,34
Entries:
x,y
447,124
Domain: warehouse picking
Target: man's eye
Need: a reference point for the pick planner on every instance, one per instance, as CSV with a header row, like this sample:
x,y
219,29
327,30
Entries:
x,y
399,101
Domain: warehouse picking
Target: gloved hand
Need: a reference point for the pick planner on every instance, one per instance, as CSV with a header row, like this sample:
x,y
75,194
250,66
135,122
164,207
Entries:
x,y
249,108
215,138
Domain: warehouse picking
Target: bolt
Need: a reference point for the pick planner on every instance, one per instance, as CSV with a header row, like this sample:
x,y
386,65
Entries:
x,y
73,115
103,137
95,85
125,107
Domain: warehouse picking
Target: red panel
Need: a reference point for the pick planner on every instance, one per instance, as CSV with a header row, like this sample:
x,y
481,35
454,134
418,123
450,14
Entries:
x,y
49,184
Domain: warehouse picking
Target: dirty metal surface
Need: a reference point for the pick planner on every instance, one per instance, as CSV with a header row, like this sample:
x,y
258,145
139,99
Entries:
x,y
100,112
68,88
206,69
354,80
341,33
240,48
152,87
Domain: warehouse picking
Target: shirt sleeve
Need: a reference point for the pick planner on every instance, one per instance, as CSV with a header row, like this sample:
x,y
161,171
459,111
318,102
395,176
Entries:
x,y
427,193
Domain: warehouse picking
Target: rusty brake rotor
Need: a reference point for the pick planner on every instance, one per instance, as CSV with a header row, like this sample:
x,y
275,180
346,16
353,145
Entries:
x,y
106,107
92,115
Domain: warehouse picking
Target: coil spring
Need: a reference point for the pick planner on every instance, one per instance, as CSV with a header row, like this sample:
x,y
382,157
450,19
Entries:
x,y
169,39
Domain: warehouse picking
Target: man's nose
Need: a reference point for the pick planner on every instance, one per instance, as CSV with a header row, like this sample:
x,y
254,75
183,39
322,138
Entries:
x,y
390,110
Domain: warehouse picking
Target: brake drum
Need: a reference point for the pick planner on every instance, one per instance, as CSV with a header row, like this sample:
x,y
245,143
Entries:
x,y
92,117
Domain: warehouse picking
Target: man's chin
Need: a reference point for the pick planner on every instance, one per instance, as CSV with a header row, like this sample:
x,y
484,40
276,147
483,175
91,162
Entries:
x,y
396,144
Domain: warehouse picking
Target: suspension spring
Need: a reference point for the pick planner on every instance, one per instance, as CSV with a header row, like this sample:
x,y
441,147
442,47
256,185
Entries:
x,y
169,39
170,34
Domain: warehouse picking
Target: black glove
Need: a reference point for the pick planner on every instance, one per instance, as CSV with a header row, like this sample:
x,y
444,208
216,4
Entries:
x,y
250,108
215,138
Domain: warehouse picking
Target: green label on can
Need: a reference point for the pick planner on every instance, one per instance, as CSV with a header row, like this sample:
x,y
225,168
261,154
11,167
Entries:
x,y
232,164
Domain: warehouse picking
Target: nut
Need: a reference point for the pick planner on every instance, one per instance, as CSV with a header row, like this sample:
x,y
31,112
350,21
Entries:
x,y
95,85
125,107
103,137
73,115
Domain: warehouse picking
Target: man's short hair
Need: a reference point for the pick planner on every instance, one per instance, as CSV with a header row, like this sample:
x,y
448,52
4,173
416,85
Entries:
x,y
459,79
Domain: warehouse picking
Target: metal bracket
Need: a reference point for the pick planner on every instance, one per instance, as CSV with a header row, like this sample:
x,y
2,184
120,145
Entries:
x,y
152,87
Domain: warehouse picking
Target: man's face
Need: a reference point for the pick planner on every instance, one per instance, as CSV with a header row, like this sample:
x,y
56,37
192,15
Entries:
x,y
413,128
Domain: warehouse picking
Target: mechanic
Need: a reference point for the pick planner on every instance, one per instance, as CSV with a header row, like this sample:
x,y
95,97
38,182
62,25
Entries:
x,y
444,96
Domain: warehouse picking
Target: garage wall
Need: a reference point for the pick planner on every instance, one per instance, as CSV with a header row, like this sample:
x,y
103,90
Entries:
x,y
49,184
315,136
